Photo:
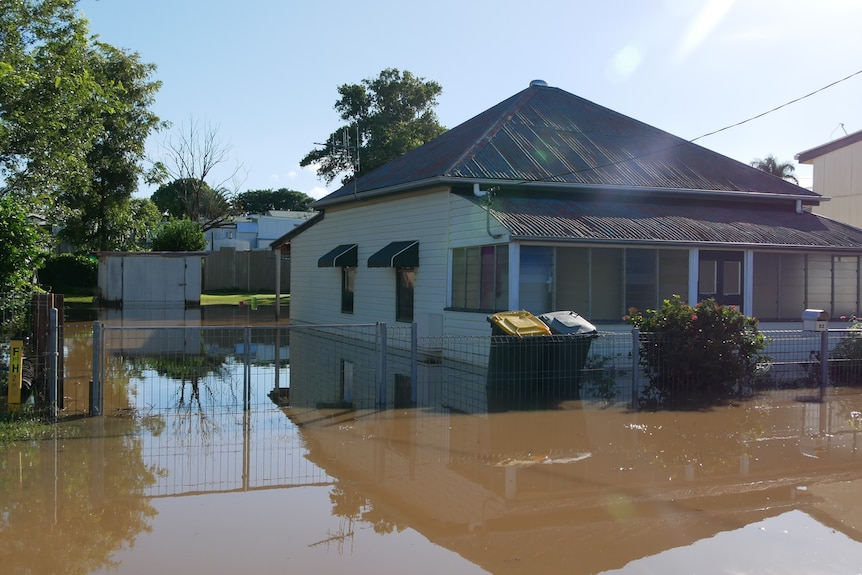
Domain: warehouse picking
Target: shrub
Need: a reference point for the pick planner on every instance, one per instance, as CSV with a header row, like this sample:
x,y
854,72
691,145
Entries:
x,y
697,354
179,236
845,360
70,274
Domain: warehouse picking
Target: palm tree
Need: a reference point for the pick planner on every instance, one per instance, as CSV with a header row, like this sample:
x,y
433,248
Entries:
x,y
771,165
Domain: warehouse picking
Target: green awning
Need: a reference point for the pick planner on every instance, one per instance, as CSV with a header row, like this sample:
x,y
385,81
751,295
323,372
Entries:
x,y
396,255
344,256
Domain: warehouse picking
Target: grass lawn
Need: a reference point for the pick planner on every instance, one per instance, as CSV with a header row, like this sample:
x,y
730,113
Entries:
x,y
235,298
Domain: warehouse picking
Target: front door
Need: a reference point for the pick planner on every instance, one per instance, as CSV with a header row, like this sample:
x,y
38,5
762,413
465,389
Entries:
x,y
720,277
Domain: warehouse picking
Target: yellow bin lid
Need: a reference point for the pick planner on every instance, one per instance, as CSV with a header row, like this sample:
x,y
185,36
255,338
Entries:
x,y
521,323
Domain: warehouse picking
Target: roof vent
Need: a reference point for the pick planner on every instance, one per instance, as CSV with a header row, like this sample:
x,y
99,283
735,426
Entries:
x,y
538,83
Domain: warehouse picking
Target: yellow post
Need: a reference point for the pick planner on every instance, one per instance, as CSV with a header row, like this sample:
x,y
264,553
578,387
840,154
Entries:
x,y
16,364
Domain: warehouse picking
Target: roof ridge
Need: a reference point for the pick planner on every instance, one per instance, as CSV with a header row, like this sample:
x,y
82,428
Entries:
x,y
518,101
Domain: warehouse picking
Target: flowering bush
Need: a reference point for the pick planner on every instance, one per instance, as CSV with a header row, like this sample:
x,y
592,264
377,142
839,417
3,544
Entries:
x,y
697,354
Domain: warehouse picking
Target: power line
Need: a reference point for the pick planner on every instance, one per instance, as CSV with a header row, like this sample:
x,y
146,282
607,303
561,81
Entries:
x,y
779,107
614,163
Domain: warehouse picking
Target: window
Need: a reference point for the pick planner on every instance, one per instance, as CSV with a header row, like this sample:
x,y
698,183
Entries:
x,y
348,277
732,284
641,278
480,278
406,278
537,278
603,283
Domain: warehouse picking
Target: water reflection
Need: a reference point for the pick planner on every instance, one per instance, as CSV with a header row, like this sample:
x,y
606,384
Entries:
x,y
68,505
201,360
565,491
199,485
584,491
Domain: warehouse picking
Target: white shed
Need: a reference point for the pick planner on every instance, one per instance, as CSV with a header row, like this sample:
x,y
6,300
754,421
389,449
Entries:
x,y
156,279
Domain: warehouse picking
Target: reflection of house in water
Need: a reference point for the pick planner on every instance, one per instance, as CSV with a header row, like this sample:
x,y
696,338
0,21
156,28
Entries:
x,y
367,366
385,366
583,491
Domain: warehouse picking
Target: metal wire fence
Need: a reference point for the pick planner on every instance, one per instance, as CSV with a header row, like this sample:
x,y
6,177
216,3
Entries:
x,y
192,369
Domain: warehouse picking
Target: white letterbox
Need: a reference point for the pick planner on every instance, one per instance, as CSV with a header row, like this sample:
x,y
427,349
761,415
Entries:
x,y
815,320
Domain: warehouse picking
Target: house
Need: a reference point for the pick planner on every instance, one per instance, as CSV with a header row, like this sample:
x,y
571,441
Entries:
x,y
838,174
254,231
548,201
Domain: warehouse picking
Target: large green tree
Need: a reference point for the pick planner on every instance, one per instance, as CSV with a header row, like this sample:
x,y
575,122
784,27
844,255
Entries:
x,y
772,165
74,116
101,211
51,103
385,117
263,201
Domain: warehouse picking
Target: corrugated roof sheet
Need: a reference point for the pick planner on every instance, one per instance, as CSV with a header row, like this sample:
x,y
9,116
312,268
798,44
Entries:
x,y
544,134
620,221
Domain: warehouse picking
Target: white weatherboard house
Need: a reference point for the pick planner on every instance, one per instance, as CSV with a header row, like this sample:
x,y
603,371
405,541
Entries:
x,y
547,202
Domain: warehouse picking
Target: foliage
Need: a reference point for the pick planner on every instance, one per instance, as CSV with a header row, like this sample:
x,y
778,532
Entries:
x,y
388,115
74,114
263,201
22,247
845,359
600,377
51,101
69,274
193,199
101,217
696,354
145,220
771,165
22,427
180,236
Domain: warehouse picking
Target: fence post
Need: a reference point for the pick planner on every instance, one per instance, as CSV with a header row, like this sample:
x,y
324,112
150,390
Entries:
x,y
824,363
246,372
381,365
414,363
96,383
52,362
636,362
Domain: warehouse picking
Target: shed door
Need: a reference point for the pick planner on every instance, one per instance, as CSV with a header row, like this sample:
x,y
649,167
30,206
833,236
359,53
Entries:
x,y
720,277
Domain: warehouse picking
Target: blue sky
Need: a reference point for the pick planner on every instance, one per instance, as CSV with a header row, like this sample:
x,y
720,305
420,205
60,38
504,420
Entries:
x,y
265,72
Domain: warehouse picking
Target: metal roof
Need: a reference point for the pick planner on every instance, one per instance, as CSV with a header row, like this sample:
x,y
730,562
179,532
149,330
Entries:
x,y
808,155
547,135
620,221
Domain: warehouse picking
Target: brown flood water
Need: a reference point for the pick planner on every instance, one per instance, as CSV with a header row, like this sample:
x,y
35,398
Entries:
x,y
768,486
772,485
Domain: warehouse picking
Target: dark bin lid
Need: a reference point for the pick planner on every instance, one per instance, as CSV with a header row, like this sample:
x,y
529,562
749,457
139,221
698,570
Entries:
x,y
568,322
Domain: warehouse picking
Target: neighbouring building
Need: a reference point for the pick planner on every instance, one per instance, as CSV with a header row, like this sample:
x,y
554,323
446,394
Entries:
x,y
838,175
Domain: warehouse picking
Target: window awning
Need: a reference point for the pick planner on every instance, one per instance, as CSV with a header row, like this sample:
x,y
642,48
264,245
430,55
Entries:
x,y
396,255
344,256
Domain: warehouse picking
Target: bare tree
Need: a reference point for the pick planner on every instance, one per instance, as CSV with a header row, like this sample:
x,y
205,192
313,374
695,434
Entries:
x,y
191,155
